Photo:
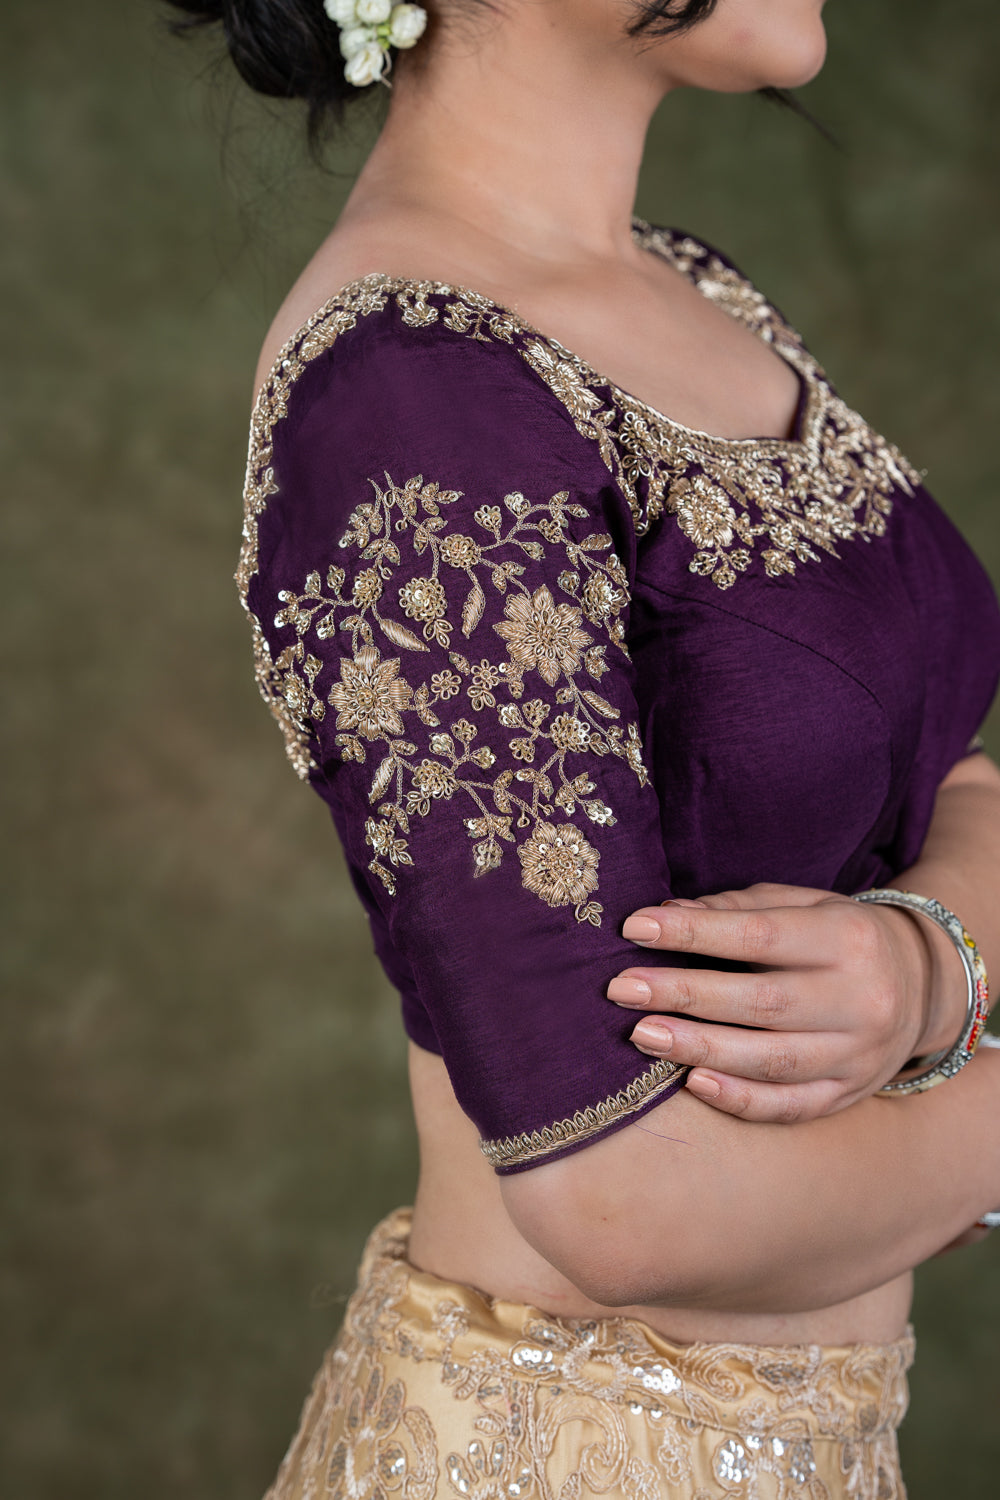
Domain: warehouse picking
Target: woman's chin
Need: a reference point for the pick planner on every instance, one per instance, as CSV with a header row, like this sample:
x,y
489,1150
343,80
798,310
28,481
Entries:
x,y
801,63
751,67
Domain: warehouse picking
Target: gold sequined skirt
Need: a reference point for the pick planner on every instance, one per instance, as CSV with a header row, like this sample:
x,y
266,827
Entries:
x,y
434,1391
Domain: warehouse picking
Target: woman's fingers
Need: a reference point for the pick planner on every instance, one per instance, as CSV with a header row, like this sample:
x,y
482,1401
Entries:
x,y
769,998
754,1056
756,897
778,936
768,1103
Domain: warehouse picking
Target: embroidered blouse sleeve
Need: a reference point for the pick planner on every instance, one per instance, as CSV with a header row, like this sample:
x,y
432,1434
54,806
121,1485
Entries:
x,y
437,568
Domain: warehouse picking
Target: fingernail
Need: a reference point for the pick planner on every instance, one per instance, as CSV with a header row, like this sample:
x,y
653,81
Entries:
x,y
629,991
683,901
703,1086
641,929
653,1034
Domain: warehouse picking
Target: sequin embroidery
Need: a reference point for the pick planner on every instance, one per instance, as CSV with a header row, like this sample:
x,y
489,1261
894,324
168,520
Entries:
x,y
417,564
784,501
433,1390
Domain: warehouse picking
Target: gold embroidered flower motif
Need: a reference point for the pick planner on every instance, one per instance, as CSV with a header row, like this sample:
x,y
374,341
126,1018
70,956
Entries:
x,y
369,1459
367,587
370,695
446,684
423,599
485,678
559,865
704,513
569,733
564,377
601,598
433,764
433,778
460,551
543,635
381,837
633,754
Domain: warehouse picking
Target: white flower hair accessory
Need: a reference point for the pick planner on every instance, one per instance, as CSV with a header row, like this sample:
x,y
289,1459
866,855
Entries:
x,y
368,28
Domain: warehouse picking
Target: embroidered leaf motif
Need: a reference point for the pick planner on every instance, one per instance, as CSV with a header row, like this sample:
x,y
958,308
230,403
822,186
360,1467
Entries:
x,y
382,778
599,704
500,796
386,876
472,611
421,701
400,636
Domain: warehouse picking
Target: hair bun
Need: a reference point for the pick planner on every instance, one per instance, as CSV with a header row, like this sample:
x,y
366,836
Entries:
x,y
286,49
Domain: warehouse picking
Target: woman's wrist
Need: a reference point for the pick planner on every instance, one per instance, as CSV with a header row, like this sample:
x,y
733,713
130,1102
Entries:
x,y
927,1069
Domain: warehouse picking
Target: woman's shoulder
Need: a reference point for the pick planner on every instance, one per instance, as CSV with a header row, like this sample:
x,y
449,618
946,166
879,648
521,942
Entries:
x,y
402,251
428,389
400,361
437,378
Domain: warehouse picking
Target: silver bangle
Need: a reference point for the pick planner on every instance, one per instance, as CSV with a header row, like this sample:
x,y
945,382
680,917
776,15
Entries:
x,y
941,1065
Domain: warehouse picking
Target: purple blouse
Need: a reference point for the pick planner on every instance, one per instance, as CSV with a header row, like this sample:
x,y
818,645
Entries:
x,y
549,656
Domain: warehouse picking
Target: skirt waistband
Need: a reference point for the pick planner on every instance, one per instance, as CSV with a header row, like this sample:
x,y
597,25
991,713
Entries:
x,y
848,1394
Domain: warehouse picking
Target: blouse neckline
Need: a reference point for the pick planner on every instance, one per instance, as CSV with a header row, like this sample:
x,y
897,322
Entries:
x,y
711,282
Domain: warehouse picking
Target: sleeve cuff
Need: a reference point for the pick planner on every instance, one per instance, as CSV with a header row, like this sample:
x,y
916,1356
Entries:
x,y
529,1149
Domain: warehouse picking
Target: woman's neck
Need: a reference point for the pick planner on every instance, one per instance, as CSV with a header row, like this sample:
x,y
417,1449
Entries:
x,y
526,140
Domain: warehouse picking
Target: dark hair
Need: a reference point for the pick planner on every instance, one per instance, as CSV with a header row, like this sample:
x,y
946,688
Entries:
x,y
289,49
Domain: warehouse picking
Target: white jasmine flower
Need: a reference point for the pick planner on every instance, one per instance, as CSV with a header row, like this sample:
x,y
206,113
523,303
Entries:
x,y
341,11
371,12
406,24
366,65
356,39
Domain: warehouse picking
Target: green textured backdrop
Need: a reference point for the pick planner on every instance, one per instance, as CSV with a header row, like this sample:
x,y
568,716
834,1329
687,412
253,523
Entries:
x,y
202,1104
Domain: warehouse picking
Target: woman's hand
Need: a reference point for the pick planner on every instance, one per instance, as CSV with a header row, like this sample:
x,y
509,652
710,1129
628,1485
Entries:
x,y
840,998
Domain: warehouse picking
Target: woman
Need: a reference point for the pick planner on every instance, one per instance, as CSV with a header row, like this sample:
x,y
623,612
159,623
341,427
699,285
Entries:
x,y
552,658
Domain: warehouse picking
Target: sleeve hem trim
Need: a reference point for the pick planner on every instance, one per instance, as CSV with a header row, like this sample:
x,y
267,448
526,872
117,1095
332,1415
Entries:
x,y
536,1145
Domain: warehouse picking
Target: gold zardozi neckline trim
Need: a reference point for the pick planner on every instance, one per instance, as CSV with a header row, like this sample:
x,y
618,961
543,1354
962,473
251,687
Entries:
x,y
656,241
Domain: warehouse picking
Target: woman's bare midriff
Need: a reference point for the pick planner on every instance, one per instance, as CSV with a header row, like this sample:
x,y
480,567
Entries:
x,y
462,1232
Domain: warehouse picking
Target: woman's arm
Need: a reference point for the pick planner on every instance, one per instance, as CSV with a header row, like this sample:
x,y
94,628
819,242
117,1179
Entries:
x,y
827,1022
960,865
694,1208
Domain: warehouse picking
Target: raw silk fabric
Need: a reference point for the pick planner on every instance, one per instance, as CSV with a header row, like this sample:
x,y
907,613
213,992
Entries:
x,y
434,1391
548,656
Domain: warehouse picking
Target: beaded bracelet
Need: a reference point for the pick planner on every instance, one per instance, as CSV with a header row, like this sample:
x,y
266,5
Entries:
x,y
941,1065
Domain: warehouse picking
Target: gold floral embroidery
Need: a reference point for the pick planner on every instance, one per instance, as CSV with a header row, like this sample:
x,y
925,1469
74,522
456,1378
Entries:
x,y
369,696
544,635
797,498
782,501
434,1389
369,1459
377,702
559,865
832,484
